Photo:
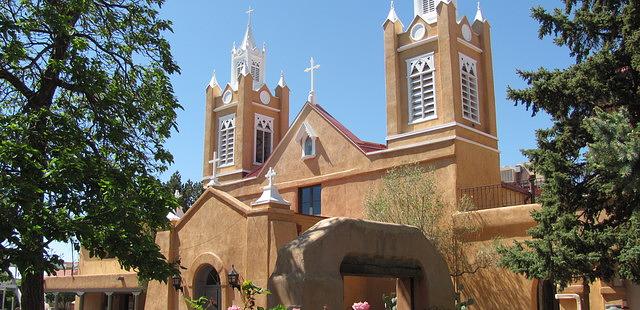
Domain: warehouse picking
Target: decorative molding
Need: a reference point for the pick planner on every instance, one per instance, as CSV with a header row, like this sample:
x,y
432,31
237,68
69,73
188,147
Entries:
x,y
413,145
433,141
418,132
265,107
417,43
478,144
439,127
226,106
469,45
477,131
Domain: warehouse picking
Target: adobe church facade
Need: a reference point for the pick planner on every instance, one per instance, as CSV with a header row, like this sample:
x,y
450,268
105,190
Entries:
x,y
283,204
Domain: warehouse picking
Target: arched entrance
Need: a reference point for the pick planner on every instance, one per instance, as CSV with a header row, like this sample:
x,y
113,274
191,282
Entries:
x,y
309,271
207,284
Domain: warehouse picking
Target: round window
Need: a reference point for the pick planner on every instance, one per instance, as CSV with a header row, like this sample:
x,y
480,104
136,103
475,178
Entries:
x,y
265,98
466,32
227,96
418,31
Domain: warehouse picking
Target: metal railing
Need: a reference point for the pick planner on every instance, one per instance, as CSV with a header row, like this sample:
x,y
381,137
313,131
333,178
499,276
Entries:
x,y
499,195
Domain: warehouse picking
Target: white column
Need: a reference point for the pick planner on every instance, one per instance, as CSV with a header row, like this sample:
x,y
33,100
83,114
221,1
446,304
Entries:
x,y
81,305
109,299
13,303
136,296
56,301
4,296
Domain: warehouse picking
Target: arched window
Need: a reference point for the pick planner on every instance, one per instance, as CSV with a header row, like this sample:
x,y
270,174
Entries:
x,y
239,65
226,140
207,284
255,70
546,295
263,139
422,88
308,147
469,82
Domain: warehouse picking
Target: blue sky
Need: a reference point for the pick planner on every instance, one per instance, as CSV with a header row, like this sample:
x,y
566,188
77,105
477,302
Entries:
x,y
345,37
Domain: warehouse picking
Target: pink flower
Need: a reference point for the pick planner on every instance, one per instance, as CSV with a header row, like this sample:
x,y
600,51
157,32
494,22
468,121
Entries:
x,y
234,307
295,309
361,306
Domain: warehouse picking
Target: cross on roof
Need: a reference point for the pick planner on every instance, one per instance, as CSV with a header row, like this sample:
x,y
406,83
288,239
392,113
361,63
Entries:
x,y
250,12
270,175
312,69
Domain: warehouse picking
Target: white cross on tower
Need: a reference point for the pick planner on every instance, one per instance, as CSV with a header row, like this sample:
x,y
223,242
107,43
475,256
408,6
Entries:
x,y
312,70
214,178
271,174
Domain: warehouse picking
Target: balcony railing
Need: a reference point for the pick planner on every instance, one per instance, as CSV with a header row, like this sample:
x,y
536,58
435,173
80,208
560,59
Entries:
x,y
500,195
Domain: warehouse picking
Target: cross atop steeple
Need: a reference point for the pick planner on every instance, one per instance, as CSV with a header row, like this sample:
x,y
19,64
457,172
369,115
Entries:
x,y
249,43
250,13
312,70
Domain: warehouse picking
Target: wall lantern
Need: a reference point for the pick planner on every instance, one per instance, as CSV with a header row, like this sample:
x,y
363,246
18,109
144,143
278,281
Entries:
x,y
177,282
234,278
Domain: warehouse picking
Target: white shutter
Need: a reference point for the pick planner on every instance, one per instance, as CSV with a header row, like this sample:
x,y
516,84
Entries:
x,y
469,83
226,140
422,88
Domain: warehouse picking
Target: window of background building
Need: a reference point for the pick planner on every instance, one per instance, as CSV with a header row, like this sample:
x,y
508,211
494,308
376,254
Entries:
x,y
309,199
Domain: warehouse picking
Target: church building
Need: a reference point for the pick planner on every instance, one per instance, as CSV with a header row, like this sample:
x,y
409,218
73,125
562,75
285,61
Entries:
x,y
283,200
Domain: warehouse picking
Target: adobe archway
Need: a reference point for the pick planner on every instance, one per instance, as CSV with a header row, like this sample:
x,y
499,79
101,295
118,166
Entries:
x,y
308,270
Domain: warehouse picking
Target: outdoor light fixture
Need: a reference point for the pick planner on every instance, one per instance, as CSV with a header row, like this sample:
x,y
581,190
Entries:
x,y
234,278
177,282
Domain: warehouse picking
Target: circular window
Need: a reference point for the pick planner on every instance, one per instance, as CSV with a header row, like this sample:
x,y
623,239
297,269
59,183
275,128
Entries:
x,y
466,32
226,98
418,31
265,98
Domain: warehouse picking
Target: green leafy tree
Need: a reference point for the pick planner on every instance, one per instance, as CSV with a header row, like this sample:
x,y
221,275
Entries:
x,y
409,195
589,224
86,105
188,191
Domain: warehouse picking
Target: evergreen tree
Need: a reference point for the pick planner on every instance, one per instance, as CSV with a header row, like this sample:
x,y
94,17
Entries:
x,y
188,191
589,224
86,105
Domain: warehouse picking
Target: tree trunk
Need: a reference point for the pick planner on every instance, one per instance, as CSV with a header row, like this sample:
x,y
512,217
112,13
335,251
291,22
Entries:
x,y
32,291
586,291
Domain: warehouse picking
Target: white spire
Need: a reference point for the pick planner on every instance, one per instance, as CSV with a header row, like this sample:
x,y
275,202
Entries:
x,y
281,82
479,16
248,42
312,69
393,16
214,81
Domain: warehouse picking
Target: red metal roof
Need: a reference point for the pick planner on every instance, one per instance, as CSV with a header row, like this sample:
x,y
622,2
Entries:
x,y
364,146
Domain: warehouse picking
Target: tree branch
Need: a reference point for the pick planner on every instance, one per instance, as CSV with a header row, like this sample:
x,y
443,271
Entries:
x,y
17,83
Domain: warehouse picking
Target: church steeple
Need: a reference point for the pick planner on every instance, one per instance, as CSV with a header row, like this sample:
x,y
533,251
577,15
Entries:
x,y
248,56
245,119
427,9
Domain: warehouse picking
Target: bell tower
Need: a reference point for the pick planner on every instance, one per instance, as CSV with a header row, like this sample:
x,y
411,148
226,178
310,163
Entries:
x,y
439,84
244,120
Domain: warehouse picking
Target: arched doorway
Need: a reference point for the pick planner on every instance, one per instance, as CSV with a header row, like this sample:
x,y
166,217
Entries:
x,y
309,271
207,284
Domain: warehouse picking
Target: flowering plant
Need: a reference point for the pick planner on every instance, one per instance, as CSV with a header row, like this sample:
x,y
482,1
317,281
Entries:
x,y
361,306
234,307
